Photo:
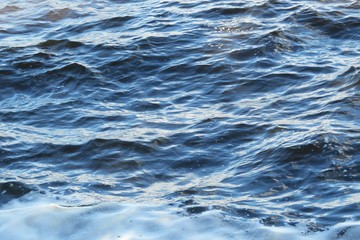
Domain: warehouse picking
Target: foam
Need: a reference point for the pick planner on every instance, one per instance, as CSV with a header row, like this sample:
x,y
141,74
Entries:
x,y
51,221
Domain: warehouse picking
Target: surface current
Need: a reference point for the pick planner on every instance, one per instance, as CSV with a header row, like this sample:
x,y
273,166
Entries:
x,y
247,107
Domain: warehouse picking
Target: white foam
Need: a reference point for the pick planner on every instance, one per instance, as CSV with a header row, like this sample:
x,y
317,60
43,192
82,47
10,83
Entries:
x,y
43,220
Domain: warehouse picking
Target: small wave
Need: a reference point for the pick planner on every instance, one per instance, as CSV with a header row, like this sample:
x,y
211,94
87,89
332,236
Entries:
x,y
109,23
12,190
55,15
332,24
9,9
60,44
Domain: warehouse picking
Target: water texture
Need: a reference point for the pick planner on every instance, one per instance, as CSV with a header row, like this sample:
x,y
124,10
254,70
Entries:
x,y
247,108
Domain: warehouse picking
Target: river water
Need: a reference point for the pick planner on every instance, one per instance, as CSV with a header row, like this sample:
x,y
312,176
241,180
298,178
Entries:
x,y
178,119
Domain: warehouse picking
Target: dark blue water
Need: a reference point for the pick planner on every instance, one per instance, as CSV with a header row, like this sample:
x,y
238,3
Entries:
x,y
247,107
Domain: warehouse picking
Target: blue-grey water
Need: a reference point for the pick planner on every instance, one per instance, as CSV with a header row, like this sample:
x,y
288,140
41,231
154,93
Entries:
x,y
247,108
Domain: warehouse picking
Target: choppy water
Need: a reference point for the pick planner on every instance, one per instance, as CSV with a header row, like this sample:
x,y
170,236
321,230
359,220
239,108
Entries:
x,y
179,119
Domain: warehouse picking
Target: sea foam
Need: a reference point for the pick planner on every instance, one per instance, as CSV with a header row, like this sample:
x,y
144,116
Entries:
x,y
105,221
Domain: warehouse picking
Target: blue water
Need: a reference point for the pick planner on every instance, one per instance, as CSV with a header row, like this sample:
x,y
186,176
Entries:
x,y
249,108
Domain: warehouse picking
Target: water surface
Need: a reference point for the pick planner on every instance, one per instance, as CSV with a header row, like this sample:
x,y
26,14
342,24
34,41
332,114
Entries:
x,y
241,113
